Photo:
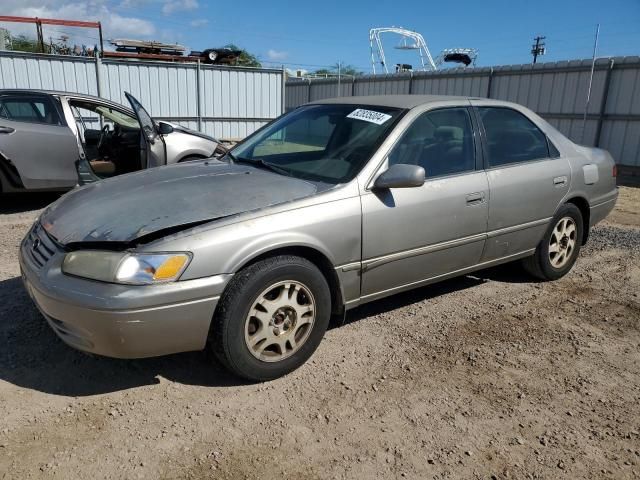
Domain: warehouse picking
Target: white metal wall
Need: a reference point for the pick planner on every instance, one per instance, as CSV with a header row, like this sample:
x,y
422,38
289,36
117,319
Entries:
x,y
557,91
221,101
47,72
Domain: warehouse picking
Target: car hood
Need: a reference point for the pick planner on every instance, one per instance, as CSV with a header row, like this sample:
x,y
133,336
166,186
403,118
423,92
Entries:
x,y
165,199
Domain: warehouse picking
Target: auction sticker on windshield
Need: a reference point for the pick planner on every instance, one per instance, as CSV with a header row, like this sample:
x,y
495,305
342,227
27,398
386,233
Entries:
x,y
369,116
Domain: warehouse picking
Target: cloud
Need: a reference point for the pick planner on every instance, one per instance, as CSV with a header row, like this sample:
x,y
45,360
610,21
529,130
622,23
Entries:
x,y
201,22
276,55
171,6
113,24
118,25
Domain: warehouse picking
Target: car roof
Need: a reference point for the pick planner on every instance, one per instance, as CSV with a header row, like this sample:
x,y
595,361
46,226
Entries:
x,y
398,101
49,92
81,96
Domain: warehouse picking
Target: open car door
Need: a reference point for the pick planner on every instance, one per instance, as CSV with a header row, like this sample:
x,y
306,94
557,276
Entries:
x,y
152,145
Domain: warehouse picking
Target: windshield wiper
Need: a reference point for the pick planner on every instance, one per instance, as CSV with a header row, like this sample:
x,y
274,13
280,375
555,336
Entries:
x,y
261,164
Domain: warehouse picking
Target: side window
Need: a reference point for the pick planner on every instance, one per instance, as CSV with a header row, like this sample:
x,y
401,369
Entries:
x,y
512,137
440,141
29,109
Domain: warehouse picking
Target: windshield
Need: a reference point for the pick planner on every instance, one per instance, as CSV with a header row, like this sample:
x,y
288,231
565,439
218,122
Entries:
x,y
327,143
120,118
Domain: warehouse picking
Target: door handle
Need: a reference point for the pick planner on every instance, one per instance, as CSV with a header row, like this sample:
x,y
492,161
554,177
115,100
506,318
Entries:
x,y
560,181
7,129
475,198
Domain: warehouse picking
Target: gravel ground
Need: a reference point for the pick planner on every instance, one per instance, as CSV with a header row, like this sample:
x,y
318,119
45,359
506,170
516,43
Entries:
x,y
487,376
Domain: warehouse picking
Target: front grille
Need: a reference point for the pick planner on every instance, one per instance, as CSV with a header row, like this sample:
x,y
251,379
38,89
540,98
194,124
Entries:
x,y
39,246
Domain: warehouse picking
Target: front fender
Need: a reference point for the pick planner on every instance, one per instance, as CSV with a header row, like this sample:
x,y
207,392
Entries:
x,y
331,228
181,145
273,242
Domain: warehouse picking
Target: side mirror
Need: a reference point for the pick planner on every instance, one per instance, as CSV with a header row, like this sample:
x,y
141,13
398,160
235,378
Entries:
x,y
400,175
164,128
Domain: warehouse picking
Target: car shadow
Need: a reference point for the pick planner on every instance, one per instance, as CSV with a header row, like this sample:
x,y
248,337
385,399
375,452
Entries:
x,y
32,356
507,273
512,272
24,202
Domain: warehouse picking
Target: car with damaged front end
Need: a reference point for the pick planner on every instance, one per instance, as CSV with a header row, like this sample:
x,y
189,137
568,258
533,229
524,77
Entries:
x,y
337,203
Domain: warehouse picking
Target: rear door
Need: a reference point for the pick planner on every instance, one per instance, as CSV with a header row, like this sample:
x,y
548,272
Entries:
x,y
35,137
527,179
153,150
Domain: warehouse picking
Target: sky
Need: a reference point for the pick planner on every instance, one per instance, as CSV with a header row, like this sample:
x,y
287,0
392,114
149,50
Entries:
x,y
312,34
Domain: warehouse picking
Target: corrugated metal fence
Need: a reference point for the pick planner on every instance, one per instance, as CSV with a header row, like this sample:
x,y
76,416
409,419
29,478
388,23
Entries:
x,y
221,101
556,91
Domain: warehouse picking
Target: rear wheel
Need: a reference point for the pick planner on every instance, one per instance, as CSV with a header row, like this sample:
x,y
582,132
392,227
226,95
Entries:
x,y
559,249
271,318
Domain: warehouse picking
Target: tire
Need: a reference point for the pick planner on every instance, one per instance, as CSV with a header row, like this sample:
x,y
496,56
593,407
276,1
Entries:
x,y
560,246
284,299
211,56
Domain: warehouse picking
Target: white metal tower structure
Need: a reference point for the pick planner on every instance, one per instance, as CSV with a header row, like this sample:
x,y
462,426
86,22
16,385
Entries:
x,y
418,43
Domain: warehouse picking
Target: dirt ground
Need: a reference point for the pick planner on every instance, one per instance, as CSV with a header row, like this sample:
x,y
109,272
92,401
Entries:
x,y
487,376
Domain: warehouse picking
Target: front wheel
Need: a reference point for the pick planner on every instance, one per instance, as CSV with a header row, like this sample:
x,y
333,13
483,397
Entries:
x,y
271,318
559,249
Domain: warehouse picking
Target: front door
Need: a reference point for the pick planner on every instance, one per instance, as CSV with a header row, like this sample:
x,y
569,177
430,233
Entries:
x,y
528,179
153,146
35,137
411,235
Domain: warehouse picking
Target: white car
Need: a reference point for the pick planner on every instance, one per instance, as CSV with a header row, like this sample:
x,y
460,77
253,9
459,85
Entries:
x,y
57,140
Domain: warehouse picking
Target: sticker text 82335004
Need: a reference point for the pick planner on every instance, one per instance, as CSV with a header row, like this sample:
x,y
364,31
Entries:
x,y
369,116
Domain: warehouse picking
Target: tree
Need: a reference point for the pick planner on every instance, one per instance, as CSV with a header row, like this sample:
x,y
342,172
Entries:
x,y
22,43
245,59
346,70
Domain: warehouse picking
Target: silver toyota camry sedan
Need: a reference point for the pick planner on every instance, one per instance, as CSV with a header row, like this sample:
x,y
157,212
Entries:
x,y
337,203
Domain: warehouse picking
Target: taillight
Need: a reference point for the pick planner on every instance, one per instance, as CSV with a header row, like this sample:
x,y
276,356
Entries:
x,y
615,171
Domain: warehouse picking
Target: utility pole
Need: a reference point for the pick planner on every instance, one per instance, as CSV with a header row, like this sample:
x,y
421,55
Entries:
x,y
593,66
537,48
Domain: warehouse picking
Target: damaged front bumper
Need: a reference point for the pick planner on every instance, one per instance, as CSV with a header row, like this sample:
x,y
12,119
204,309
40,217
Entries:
x,y
121,321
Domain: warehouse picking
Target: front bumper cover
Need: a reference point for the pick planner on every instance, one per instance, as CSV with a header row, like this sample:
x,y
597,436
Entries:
x,y
122,321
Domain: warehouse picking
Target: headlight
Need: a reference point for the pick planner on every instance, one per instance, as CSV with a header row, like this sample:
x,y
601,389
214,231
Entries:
x,y
129,268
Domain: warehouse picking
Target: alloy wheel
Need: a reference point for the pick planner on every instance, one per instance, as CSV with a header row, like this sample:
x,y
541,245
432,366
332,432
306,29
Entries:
x,y
280,321
562,243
